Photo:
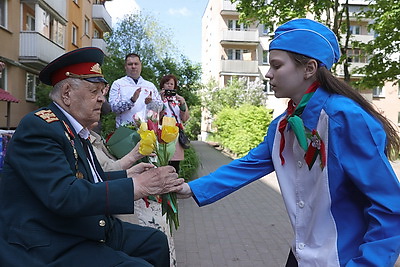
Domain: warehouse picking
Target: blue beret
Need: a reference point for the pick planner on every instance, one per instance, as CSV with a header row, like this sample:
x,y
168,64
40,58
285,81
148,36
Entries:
x,y
307,37
83,63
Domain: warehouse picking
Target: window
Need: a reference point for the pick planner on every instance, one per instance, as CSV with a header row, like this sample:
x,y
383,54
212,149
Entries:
x,y
236,54
96,34
31,82
74,35
357,56
398,88
265,30
3,76
378,92
3,13
57,32
355,29
265,57
234,25
267,88
398,118
30,23
86,26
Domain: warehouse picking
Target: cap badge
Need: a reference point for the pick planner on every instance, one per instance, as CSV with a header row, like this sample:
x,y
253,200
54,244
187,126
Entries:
x,y
96,68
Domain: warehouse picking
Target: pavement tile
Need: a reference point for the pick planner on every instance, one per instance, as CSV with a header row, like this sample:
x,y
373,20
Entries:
x,y
247,228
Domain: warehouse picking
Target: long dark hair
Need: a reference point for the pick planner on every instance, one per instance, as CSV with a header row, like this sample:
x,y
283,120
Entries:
x,y
336,86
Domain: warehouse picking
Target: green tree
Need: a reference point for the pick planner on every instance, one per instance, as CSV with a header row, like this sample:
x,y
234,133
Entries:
x,y
383,65
334,14
237,92
137,33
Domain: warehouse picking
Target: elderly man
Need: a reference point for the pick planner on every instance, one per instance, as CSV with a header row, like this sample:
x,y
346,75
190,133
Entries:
x,y
56,203
131,96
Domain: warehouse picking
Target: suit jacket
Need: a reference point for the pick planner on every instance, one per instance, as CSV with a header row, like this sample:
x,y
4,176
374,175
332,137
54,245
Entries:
x,y
48,203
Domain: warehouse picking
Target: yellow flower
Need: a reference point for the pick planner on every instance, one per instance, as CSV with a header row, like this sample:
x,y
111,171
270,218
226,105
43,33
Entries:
x,y
169,130
143,127
147,142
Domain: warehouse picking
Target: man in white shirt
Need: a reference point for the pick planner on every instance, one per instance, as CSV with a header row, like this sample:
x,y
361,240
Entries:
x,y
131,96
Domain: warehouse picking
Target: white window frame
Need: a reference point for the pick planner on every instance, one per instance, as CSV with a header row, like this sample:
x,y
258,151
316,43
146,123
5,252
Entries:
x,y
265,57
32,81
236,54
265,29
355,29
86,24
30,23
3,79
74,35
378,92
96,34
234,25
3,13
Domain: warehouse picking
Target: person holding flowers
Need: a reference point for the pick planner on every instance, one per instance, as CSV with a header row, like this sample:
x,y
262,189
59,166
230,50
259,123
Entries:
x,y
160,211
57,204
330,150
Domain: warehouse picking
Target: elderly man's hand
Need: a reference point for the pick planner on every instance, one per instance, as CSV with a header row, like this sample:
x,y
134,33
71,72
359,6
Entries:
x,y
139,169
157,181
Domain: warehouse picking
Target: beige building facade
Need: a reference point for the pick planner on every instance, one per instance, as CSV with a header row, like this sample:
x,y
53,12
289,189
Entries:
x,y
231,49
32,34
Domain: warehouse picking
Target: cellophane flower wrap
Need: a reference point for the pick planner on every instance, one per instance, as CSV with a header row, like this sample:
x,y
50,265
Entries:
x,y
161,141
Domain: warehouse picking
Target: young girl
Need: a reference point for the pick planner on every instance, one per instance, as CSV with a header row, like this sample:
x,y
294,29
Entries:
x,y
330,152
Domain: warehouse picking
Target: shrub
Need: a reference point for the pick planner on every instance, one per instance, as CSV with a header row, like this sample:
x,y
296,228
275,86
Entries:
x,y
188,166
242,129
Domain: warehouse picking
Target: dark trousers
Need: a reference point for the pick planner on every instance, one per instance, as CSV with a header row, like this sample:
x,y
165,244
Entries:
x,y
127,245
291,261
175,164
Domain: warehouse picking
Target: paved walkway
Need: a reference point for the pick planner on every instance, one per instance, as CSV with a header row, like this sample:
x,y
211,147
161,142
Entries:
x,y
247,228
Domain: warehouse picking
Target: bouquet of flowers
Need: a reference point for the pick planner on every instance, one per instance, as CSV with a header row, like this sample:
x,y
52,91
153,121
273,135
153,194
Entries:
x,y
161,141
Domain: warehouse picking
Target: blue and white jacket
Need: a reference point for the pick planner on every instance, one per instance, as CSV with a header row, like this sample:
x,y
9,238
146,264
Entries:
x,y
346,214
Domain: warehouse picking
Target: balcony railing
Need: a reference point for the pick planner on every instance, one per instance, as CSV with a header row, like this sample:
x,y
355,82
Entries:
x,y
102,18
239,66
100,43
36,50
240,36
353,65
228,6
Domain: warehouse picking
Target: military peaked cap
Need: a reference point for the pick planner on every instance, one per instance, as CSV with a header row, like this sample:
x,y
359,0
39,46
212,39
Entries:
x,y
83,63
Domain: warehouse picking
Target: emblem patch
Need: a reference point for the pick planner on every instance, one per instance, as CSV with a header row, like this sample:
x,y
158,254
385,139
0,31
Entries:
x,y
47,115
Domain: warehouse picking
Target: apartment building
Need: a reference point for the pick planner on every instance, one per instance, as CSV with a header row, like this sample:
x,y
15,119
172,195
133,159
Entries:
x,y
231,49
33,33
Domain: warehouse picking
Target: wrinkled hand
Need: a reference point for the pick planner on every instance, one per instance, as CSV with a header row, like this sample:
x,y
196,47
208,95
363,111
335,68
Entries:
x,y
186,192
157,181
148,99
139,169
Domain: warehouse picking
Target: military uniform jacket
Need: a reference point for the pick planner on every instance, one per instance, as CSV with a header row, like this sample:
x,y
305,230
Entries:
x,y
48,202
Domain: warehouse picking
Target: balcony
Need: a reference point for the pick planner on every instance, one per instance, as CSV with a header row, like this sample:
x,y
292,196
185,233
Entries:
x,y
229,36
102,18
228,8
60,7
36,51
353,65
239,66
100,43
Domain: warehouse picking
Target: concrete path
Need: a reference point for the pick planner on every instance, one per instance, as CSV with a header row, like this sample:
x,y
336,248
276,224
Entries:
x,y
247,228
